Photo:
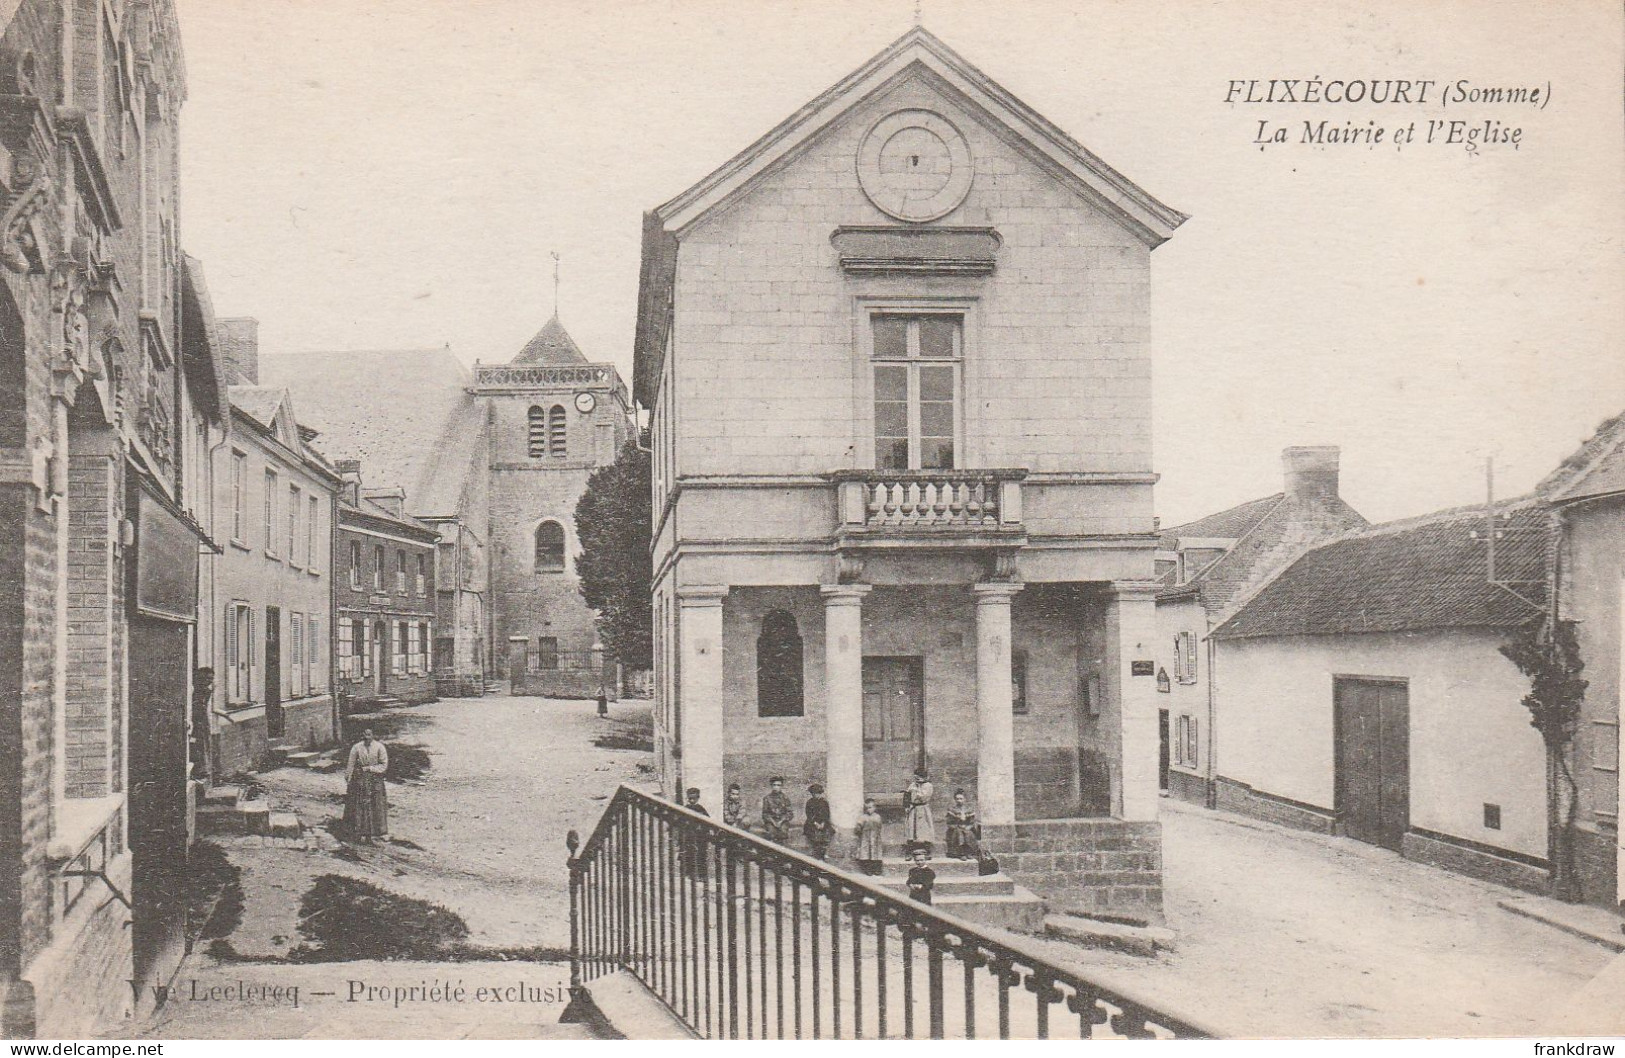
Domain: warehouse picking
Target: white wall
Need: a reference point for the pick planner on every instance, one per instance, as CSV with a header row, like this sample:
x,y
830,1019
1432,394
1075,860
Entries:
x,y
1471,742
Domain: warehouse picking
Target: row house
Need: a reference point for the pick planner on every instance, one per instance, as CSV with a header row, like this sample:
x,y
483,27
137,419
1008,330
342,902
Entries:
x,y
897,355
1363,690
408,416
385,598
276,498
108,395
1204,568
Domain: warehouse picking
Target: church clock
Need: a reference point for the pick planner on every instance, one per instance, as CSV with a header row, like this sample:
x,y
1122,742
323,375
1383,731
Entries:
x,y
585,403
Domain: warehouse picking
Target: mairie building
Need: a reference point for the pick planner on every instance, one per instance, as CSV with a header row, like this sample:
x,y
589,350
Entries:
x,y
898,358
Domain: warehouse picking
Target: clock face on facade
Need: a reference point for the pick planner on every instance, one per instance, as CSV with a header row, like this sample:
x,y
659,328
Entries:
x,y
585,403
915,165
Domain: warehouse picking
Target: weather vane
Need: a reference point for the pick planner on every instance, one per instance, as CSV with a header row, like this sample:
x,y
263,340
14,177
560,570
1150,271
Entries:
x,y
555,256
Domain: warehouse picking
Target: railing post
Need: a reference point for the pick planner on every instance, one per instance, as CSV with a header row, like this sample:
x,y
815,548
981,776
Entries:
x,y
572,1011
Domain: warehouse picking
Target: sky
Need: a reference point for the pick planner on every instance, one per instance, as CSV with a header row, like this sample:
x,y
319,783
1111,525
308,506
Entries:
x,y
375,174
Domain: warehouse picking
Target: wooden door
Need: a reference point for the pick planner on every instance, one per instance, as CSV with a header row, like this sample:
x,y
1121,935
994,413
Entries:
x,y
893,722
380,656
273,672
1164,754
518,662
1373,760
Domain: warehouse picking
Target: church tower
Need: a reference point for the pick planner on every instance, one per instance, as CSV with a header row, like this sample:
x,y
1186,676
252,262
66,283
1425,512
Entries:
x,y
552,418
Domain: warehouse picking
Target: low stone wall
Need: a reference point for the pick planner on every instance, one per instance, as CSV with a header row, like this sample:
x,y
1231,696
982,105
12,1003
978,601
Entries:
x,y
564,683
1184,786
1238,797
1595,861
1474,860
1103,867
244,744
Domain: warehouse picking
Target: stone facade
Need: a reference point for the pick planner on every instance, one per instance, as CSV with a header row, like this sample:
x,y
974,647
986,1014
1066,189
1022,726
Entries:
x,y
1106,868
276,500
384,597
837,602
108,393
552,418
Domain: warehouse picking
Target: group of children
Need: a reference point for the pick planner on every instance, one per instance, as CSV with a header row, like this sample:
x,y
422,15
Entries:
x,y
963,834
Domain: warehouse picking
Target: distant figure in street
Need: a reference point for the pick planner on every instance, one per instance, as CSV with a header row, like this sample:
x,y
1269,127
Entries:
x,y
921,878
817,828
603,704
867,851
964,832
777,813
366,802
733,807
921,826
694,847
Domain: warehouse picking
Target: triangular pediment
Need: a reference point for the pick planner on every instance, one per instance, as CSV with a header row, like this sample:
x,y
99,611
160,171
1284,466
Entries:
x,y
919,54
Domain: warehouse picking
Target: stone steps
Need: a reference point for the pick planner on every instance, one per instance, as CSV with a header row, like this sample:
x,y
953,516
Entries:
x,y
1111,936
227,811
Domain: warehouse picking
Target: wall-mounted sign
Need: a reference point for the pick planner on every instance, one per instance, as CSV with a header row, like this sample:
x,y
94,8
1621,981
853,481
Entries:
x,y
1143,668
166,561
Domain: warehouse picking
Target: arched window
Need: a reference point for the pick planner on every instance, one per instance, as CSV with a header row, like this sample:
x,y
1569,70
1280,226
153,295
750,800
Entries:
x,y
556,432
537,437
778,666
550,547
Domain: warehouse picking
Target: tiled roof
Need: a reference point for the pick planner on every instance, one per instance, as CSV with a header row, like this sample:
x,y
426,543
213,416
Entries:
x,y
1229,524
1596,468
552,347
387,408
1421,573
459,452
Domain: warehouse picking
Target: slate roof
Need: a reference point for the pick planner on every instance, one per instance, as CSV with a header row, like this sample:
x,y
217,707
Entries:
x,y
387,408
1596,468
552,347
257,402
459,452
1231,524
1411,575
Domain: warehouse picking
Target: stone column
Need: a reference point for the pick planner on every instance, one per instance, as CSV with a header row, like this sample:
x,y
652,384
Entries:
x,y
1132,636
699,694
843,702
995,744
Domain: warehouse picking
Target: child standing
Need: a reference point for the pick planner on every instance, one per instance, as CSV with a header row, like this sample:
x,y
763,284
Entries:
x,y
867,852
817,828
921,878
922,828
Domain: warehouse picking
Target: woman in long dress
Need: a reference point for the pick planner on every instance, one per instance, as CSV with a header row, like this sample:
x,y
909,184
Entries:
x,y
366,802
921,827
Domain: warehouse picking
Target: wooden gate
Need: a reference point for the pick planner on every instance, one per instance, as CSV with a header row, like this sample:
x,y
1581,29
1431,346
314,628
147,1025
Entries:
x,y
1373,759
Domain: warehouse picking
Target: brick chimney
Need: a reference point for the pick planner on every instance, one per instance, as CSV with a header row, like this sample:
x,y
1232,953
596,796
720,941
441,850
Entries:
x,y
349,471
1311,472
392,500
240,336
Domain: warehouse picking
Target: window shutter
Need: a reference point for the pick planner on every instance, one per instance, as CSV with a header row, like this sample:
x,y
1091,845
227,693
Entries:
x,y
1190,654
1190,751
1179,656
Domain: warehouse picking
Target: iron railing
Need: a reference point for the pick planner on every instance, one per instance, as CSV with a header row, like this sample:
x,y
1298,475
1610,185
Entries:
x,y
741,938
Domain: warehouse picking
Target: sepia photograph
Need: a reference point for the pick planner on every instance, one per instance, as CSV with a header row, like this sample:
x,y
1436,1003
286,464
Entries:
x,y
828,520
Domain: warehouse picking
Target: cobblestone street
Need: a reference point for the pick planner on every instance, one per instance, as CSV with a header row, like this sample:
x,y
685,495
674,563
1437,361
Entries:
x,y
480,834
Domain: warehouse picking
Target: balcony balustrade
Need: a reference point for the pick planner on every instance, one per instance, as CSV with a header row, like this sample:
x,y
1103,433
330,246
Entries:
x,y
931,503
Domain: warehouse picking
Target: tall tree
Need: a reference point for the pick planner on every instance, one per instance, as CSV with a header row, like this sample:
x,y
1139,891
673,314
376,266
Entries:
x,y
614,522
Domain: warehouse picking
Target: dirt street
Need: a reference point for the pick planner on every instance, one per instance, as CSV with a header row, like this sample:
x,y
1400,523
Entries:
x,y
1283,933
